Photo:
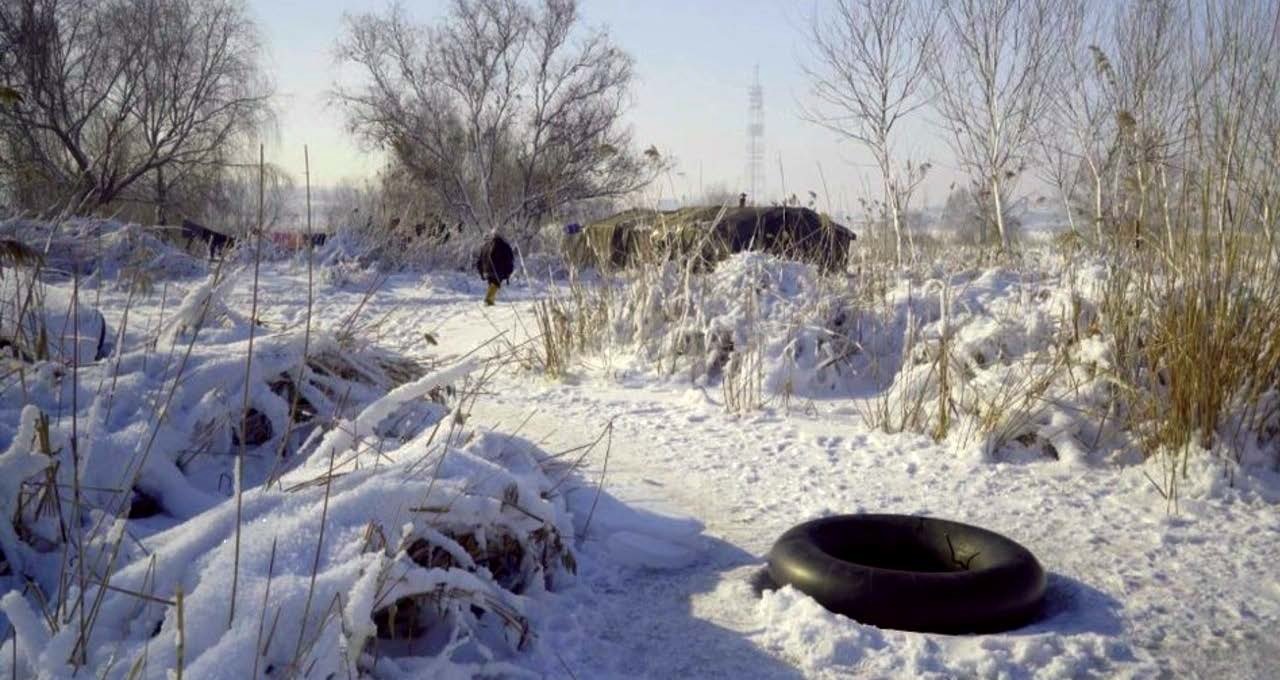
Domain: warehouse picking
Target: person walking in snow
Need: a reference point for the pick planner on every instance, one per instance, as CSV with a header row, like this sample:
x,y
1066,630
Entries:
x,y
495,263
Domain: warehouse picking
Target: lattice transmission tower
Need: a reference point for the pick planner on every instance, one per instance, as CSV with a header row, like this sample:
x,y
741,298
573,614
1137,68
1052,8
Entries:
x,y
755,140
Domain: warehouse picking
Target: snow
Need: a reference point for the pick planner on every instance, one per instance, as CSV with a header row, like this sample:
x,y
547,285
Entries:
x,y
666,502
74,333
1102,534
17,464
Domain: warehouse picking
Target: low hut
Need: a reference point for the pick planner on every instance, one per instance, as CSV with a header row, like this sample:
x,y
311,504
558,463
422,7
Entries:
x,y
710,234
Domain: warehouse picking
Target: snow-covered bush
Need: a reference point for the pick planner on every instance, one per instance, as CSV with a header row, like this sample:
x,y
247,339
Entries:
x,y
376,537
106,248
39,321
226,495
773,323
166,421
156,427
350,273
1076,355
1001,359
1090,356
432,552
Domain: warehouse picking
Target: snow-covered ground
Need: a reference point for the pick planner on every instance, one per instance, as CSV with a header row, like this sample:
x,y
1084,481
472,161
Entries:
x,y
670,553
1133,590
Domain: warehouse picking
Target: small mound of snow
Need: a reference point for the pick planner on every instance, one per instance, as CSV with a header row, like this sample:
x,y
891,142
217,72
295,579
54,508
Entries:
x,y
107,248
45,318
159,426
635,536
753,305
349,273
649,551
801,630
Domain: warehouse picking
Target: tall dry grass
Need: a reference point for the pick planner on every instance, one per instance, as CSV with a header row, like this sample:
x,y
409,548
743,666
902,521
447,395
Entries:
x,y
1196,334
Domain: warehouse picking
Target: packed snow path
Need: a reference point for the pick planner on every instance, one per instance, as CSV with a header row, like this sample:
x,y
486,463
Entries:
x,y
1133,591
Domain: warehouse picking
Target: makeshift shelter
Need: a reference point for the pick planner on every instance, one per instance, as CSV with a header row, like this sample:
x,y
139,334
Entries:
x,y
611,243
710,234
790,233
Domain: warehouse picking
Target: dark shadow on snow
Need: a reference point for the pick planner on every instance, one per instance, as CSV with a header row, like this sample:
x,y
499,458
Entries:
x,y
646,626
1073,607
666,638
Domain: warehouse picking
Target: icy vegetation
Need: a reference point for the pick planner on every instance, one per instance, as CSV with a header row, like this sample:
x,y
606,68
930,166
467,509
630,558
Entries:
x,y
754,312
423,564
317,505
1010,363
400,482
108,247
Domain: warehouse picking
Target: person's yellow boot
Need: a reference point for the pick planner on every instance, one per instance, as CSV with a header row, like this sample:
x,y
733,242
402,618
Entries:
x,y
491,294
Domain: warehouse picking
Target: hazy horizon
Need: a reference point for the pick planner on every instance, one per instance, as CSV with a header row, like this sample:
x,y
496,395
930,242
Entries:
x,y
693,64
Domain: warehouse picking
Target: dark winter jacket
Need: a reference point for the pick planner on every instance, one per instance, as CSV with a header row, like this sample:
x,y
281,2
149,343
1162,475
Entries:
x,y
495,261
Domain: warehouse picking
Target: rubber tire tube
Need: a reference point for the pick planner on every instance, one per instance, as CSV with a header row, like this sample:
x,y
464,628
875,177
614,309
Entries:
x,y
911,573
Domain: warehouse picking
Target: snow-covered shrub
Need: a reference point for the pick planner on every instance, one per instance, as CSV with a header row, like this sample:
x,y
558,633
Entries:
x,y
17,464
350,273
378,556
158,427
1194,337
1089,356
775,319
106,248
436,543
801,327
44,321
996,358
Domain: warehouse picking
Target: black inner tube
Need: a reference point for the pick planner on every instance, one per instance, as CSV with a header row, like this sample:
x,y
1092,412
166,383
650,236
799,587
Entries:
x,y
911,573
903,557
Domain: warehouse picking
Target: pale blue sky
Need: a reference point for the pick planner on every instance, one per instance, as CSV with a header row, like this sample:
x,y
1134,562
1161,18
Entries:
x,y
694,62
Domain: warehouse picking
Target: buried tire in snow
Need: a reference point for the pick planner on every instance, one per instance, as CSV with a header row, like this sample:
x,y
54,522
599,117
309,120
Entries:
x,y
911,573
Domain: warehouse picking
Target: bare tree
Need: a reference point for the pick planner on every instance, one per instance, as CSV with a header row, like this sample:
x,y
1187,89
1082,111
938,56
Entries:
x,y
1233,104
204,54
114,91
993,79
1150,91
231,203
1058,165
1260,147
1076,141
506,112
867,71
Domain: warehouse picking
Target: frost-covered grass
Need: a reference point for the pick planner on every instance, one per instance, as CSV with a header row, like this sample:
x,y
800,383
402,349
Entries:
x,y
404,553
757,326
192,487
396,520
1195,339
1088,353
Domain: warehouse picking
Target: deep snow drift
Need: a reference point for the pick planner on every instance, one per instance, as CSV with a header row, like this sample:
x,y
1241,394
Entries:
x,y
658,573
